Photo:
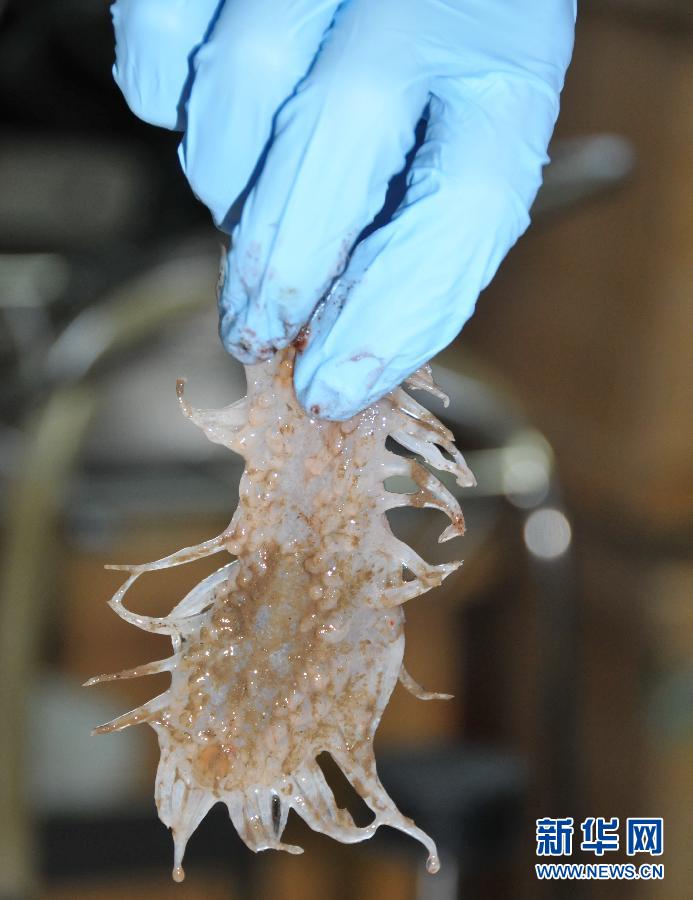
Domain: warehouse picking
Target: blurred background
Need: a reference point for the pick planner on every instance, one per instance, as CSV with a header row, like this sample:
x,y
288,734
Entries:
x,y
567,637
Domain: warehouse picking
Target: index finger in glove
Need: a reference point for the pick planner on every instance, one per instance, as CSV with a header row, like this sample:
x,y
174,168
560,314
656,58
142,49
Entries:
x,y
410,286
251,62
155,42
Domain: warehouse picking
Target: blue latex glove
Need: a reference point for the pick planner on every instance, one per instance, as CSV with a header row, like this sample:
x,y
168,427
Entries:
x,y
333,91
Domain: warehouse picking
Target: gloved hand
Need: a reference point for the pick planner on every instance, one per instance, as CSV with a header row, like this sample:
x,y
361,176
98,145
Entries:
x,y
313,105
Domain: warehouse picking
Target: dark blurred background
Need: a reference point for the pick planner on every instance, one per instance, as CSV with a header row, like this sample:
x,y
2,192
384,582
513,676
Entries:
x,y
567,637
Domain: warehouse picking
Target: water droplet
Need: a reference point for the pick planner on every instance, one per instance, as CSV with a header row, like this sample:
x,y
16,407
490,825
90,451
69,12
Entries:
x,y
432,864
178,874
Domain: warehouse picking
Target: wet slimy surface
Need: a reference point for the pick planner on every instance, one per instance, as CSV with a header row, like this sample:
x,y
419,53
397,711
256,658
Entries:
x,y
294,647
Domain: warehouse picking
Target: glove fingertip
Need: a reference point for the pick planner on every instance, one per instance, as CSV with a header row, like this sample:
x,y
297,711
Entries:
x,y
323,402
335,390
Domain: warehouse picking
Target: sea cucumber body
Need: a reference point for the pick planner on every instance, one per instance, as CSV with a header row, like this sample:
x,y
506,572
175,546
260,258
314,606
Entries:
x,y
295,646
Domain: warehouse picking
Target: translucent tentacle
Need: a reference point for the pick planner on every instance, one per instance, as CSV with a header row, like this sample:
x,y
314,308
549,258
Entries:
x,y
166,774
415,688
317,807
396,465
189,806
359,768
205,593
406,404
425,572
155,624
396,596
134,717
180,557
423,499
151,668
437,492
221,426
146,623
422,433
432,493
415,438
452,531
181,618
422,380
252,815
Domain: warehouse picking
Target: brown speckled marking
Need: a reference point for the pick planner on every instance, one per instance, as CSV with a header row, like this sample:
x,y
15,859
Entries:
x,y
293,648
301,340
